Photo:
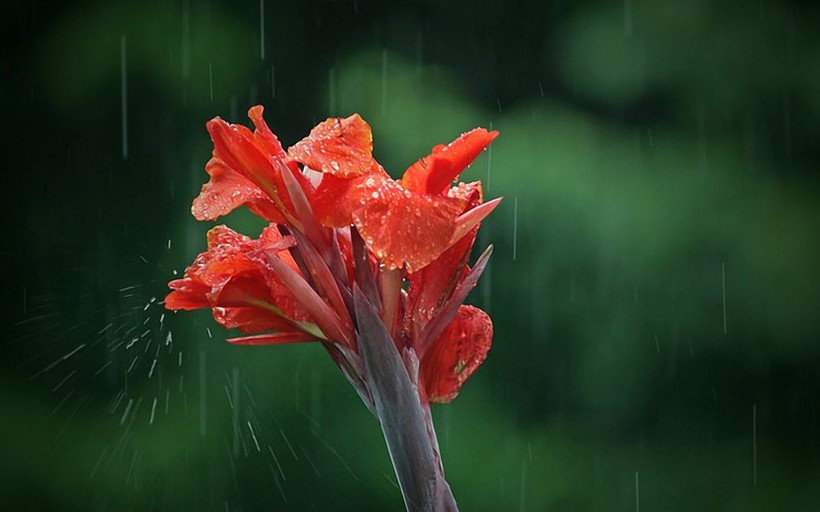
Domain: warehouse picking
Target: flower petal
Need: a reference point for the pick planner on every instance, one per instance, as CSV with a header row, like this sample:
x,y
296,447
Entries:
x,y
433,174
236,146
263,135
456,354
228,190
432,286
276,338
402,227
248,319
341,147
187,295
445,314
337,198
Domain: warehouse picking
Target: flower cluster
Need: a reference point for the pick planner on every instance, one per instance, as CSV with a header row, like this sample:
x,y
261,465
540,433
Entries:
x,y
341,230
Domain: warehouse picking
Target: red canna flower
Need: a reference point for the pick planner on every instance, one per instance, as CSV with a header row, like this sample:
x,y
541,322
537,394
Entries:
x,y
330,267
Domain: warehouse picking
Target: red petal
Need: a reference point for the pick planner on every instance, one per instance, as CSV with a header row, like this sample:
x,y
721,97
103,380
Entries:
x,y
187,295
235,145
249,320
228,190
400,226
223,235
245,288
341,147
276,338
330,204
431,286
337,198
432,174
456,354
263,135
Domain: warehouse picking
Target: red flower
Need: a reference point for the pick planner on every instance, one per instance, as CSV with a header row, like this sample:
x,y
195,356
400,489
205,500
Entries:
x,y
232,278
328,200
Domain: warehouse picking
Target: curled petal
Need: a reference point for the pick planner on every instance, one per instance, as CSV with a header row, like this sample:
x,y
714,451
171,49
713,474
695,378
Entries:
x,y
434,173
228,190
263,135
187,295
236,146
341,147
456,354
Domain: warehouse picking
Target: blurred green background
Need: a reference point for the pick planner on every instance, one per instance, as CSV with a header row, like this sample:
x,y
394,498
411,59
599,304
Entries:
x,y
653,289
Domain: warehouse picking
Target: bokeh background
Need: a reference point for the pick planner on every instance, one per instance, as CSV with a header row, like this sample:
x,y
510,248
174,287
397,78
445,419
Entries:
x,y
654,288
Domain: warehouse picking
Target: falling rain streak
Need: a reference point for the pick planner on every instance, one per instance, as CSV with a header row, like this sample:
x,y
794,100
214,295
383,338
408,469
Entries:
x,y
262,29
211,81
723,284
628,18
515,227
331,88
186,40
754,444
203,391
384,81
124,97
489,163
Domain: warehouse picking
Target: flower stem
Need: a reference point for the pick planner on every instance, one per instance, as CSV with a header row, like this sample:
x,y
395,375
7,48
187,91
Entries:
x,y
405,422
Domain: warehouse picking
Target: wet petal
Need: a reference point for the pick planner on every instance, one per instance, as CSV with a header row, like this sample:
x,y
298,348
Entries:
x,y
228,190
434,173
432,286
236,147
187,295
341,147
400,226
337,198
248,319
276,338
456,354
263,135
